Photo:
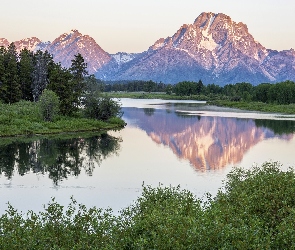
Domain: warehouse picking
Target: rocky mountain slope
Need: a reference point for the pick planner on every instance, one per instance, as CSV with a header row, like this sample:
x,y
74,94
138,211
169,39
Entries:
x,y
214,48
65,47
4,42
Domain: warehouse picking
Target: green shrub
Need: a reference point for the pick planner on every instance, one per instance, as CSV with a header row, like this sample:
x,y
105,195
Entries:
x,y
254,210
101,108
49,105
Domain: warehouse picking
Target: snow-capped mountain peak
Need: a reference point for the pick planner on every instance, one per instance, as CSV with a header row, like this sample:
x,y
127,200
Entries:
x,y
213,48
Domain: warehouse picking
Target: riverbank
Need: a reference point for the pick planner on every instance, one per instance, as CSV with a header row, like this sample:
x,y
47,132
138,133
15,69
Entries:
x,y
256,106
212,100
23,118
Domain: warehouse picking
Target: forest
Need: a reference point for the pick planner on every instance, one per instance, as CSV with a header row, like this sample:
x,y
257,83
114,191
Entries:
x,y
26,75
35,90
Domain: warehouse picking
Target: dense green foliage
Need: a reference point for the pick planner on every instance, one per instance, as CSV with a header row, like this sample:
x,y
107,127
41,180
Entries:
x,y
26,75
24,118
135,86
101,107
35,77
254,210
49,105
188,88
281,93
96,105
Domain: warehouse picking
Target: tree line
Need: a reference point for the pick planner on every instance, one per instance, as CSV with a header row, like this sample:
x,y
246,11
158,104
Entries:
x,y
134,86
278,93
25,75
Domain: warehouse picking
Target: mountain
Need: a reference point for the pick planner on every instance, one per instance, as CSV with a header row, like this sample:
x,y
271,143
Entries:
x,y
214,48
65,47
123,57
69,44
28,43
4,42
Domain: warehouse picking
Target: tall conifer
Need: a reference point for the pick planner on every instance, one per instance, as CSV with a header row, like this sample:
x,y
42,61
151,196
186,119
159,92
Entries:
x,y
26,74
10,89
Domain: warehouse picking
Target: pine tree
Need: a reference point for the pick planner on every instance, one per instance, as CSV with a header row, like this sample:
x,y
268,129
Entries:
x,y
10,89
200,86
26,69
79,72
2,71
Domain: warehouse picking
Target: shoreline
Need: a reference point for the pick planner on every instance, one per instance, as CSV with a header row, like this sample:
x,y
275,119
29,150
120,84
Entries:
x,y
214,100
23,120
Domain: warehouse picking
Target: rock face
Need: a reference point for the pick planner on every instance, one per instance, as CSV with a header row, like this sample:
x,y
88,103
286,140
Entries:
x,y
65,47
4,42
28,43
214,48
69,44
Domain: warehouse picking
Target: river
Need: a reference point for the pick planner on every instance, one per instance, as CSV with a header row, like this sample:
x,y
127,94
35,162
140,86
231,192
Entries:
x,y
165,143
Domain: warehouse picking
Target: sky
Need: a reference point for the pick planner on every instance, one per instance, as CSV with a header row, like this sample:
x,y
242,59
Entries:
x,y
134,25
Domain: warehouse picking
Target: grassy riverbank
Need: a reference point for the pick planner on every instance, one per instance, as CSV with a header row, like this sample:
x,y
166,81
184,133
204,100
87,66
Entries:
x,y
23,118
217,100
256,106
254,210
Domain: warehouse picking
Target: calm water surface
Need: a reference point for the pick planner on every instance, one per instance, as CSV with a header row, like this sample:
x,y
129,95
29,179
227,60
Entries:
x,y
165,142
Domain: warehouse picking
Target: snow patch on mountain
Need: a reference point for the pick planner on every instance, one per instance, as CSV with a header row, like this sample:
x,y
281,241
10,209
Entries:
x,y
122,57
4,42
42,46
207,41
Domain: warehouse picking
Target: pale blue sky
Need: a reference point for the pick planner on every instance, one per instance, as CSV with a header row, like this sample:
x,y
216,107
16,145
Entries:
x,y
134,25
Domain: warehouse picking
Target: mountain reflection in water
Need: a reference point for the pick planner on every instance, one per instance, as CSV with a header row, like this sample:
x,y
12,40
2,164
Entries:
x,y
207,142
59,158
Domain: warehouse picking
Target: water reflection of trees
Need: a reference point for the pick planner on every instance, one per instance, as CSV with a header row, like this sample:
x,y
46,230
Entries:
x,y
279,127
149,111
59,158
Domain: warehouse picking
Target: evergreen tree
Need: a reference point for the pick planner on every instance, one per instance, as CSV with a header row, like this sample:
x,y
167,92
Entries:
x,y
26,69
60,82
200,87
10,88
2,70
79,72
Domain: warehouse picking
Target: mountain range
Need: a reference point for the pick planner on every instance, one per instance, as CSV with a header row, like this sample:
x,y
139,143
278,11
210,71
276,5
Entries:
x,y
214,49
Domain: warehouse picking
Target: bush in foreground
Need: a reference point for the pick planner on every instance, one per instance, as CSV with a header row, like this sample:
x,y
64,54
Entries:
x,y
254,210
